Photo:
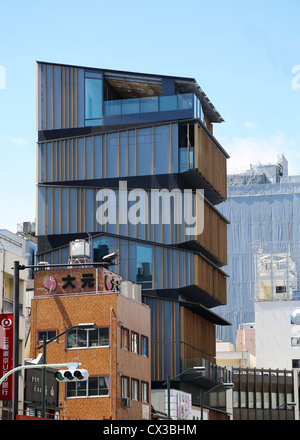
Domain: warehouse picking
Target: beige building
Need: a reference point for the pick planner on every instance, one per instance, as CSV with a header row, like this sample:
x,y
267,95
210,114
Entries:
x,y
226,356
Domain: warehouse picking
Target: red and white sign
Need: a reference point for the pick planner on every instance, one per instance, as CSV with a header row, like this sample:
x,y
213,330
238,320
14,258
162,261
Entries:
x,y
6,354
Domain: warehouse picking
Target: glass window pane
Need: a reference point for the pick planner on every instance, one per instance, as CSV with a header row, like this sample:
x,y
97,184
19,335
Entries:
x,y
81,388
71,389
243,399
144,346
168,103
144,392
125,387
266,400
49,334
235,399
144,265
258,400
71,339
103,386
93,338
103,336
134,342
183,159
185,101
93,98
93,386
135,389
251,399
125,338
274,400
81,338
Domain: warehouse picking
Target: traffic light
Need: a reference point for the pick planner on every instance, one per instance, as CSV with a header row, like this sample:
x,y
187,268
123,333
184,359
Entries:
x,y
72,374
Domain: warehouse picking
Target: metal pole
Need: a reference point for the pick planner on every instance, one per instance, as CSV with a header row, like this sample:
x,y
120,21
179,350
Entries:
x,y
43,378
16,341
168,388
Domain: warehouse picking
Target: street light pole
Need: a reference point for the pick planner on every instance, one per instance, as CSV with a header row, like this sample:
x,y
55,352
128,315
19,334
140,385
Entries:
x,y
175,377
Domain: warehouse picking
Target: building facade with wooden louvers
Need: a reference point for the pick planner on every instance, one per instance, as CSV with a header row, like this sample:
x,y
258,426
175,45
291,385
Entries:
x,y
144,145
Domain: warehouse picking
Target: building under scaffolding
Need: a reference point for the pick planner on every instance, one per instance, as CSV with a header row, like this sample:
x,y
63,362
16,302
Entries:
x,y
275,276
263,207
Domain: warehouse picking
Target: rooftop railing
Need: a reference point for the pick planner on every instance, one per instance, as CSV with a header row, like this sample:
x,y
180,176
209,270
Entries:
x,y
186,101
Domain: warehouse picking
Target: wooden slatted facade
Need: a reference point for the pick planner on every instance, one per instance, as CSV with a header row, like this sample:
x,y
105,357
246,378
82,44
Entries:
x,y
197,337
210,161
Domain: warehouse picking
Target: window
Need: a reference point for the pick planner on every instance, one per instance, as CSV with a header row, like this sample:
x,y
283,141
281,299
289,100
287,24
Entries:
x,y
295,341
100,249
236,400
48,333
94,386
98,337
88,338
125,338
93,101
135,389
125,386
295,363
280,289
144,262
144,346
145,392
98,386
134,342
258,400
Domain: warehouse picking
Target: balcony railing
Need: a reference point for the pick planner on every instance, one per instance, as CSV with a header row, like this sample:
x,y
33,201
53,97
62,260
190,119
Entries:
x,y
155,104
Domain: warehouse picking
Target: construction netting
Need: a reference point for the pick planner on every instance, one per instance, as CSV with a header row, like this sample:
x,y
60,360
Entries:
x,y
263,245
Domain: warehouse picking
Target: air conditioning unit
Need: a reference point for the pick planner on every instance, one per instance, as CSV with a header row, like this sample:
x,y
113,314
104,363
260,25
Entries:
x,y
126,402
27,227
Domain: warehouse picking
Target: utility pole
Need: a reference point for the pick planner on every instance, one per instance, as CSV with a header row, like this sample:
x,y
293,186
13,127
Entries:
x,y
16,341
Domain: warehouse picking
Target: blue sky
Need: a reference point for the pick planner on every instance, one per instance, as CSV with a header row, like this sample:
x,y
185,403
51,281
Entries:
x,y
241,53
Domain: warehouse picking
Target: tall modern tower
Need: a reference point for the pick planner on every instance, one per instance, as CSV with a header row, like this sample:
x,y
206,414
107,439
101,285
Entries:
x,y
108,143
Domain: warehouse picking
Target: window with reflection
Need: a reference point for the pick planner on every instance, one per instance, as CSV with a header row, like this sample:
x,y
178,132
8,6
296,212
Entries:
x,y
94,386
93,101
88,338
144,260
100,249
49,334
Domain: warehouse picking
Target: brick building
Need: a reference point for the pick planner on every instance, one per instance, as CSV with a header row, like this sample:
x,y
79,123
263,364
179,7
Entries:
x,y
116,353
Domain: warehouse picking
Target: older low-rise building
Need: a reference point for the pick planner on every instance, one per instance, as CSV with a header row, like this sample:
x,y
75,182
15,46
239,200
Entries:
x,y
116,352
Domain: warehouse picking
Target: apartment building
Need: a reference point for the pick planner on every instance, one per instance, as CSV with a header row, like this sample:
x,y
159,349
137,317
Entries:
x,y
108,143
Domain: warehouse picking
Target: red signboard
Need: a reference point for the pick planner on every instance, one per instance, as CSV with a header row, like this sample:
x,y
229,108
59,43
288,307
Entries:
x,y
6,354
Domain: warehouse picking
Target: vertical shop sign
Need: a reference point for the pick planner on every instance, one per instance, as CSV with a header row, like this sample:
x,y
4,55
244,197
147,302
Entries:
x,y
6,354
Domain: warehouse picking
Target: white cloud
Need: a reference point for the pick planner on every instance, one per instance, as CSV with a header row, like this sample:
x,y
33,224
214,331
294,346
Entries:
x,y
250,125
16,140
248,150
